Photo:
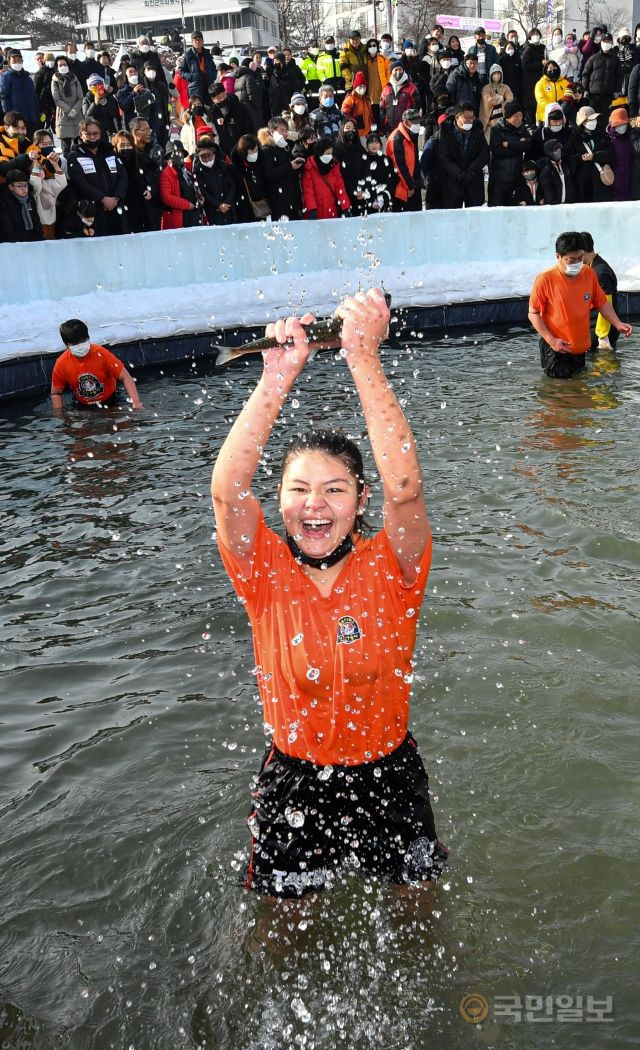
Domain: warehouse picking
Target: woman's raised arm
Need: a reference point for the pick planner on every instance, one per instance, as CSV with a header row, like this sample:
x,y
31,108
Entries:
x,y
235,507
366,320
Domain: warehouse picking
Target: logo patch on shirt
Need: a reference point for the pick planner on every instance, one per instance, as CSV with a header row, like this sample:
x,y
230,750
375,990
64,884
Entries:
x,y
348,630
586,296
89,386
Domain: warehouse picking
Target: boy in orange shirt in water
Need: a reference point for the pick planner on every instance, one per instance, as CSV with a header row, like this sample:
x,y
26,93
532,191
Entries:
x,y
560,305
334,616
90,370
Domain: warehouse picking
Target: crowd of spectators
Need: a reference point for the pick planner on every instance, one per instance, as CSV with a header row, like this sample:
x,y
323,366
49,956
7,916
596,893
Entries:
x,y
88,150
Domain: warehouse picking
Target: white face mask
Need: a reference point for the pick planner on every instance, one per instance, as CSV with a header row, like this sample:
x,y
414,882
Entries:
x,y
621,129
445,64
573,269
597,38
314,51
279,139
87,222
591,125
90,53
80,349
510,51
299,110
63,70
557,40
252,157
326,158
433,48
361,90
207,163
409,51
150,74
50,64
606,47
132,80
467,127
535,39
144,49
414,129
372,51
18,66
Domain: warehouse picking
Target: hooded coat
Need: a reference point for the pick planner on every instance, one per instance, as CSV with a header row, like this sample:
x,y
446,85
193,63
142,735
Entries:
x,y
544,134
548,90
358,108
67,95
553,175
586,177
251,91
493,99
324,193
464,86
283,83
511,66
250,183
282,181
532,59
353,60
217,186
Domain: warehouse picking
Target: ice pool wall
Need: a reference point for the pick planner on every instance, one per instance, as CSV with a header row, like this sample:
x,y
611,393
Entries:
x,y
180,283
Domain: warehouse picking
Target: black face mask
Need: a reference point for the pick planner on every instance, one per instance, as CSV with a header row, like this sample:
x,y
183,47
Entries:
x,y
197,110
320,563
349,136
553,74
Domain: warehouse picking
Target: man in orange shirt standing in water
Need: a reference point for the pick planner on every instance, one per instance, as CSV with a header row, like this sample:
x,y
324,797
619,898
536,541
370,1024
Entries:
x,y
90,370
560,304
334,615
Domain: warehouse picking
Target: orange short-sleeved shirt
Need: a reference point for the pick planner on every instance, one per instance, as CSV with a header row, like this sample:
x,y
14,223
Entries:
x,y
334,672
92,378
565,304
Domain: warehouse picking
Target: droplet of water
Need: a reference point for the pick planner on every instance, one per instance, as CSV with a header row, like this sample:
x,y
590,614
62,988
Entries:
x,y
325,772
300,1010
313,674
294,817
297,639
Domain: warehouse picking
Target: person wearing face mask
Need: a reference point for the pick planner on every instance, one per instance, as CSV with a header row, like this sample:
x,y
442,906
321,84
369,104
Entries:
x,y
550,88
216,184
229,117
193,119
157,112
386,48
414,68
252,204
179,195
280,170
565,52
560,305
89,62
309,66
48,180
572,101
303,148
532,59
353,59
297,116
463,154
528,190
618,133
249,89
126,96
19,219
74,63
42,84
402,151
602,75
555,175
399,95
89,370
486,53
374,190
17,92
438,81
510,143
465,84
67,93
627,55
591,45
102,107
357,106
143,55
143,212
350,155
198,67
327,118
78,220
324,195
554,128
283,83
511,67
329,71
430,166
95,173
495,95
107,73
378,72
588,151
14,144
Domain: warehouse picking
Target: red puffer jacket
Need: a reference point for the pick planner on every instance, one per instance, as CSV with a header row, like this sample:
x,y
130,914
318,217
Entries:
x,y
174,205
323,196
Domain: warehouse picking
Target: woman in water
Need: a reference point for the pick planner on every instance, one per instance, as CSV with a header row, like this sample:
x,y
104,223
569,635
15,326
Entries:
x,y
334,617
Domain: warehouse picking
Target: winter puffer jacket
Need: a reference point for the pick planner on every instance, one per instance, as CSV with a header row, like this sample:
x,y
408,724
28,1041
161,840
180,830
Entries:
x,y
282,181
546,91
602,77
67,94
323,193
394,103
462,167
509,146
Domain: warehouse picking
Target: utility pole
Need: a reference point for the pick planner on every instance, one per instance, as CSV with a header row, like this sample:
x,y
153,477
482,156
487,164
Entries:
x,y
375,18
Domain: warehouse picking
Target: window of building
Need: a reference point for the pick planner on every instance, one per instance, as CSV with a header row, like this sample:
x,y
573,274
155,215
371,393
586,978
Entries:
x,y
235,19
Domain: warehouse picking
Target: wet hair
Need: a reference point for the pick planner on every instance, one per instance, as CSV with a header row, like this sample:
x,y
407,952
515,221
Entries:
x,y
569,242
73,331
331,443
587,241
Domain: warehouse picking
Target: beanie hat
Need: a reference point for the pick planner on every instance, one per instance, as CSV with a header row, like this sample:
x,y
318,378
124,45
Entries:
x,y
94,80
511,108
205,130
619,116
298,99
359,80
397,65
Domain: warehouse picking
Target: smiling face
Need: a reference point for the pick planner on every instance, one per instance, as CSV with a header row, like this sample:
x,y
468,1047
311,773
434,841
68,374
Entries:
x,y
319,501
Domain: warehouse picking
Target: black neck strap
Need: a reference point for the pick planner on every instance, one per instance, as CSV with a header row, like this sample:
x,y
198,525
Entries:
x,y
343,548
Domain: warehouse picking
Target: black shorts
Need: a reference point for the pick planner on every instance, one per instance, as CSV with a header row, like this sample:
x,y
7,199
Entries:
x,y
560,366
308,821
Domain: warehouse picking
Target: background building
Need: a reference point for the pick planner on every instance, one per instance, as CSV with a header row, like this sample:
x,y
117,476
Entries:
x,y
228,22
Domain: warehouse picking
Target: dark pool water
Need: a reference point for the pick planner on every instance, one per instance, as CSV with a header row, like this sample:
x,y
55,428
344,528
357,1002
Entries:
x,y
130,727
